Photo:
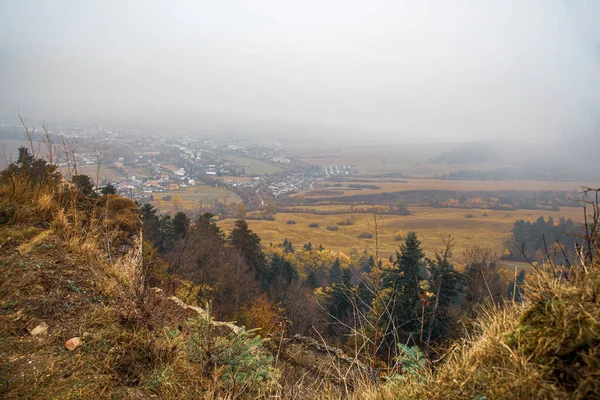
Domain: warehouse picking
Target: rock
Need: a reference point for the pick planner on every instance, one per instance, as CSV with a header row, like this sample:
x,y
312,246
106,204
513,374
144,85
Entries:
x,y
26,248
38,329
73,343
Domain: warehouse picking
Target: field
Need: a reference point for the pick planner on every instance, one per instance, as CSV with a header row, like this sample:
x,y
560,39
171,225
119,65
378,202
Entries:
x,y
431,225
375,159
193,198
395,185
254,167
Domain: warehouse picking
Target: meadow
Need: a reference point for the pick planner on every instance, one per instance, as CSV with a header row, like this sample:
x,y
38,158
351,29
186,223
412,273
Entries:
x,y
253,166
486,228
193,198
389,185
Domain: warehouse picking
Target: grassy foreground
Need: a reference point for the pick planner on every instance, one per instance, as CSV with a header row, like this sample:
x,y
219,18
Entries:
x,y
78,320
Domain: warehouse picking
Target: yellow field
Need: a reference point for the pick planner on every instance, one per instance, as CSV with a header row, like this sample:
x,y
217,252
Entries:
x,y
396,185
431,225
194,198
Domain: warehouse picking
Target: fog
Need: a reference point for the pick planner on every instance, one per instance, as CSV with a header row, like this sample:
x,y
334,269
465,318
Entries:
x,y
389,70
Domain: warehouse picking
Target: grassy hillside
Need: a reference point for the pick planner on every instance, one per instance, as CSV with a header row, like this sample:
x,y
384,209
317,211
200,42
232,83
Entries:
x,y
79,319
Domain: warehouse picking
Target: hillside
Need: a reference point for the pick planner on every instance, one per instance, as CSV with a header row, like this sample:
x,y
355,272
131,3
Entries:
x,y
90,309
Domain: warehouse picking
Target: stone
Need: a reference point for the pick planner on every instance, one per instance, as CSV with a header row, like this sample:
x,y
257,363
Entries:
x,y
39,329
73,343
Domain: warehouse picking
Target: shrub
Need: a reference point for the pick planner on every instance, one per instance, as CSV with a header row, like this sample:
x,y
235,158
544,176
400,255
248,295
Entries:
x,y
399,236
346,222
365,235
469,215
313,225
332,228
291,222
484,213
242,365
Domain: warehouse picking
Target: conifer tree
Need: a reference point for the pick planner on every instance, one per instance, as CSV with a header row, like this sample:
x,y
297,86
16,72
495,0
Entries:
x,y
335,272
247,243
401,319
311,280
181,224
448,287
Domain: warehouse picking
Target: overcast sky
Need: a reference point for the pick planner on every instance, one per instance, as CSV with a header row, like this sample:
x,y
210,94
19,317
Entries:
x,y
396,69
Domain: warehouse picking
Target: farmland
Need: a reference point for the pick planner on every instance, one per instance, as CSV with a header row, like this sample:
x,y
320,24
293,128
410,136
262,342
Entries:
x,y
387,185
431,224
193,199
254,166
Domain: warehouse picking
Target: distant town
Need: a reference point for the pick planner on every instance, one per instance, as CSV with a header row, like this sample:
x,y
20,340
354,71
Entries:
x,y
144,166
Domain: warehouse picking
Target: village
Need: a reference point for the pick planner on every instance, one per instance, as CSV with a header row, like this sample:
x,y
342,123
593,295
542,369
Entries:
x,y
141,165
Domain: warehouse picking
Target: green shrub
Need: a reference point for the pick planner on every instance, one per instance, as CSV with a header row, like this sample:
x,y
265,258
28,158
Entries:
x,y
237,360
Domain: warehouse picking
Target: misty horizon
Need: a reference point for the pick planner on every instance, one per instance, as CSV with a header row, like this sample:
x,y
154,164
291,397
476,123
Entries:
x,y
442,71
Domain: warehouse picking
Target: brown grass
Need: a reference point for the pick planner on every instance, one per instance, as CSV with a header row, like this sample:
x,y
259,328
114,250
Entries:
x,y
431,225
194,198
388,185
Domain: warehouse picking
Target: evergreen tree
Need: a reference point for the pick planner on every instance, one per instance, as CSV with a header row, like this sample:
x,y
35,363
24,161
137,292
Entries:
x,y
287,246
205,226
367,265
149,222
247,243
448,287
34,171
84,184
401,320
335,272
108,189
281,272
311,280
341,303
181,224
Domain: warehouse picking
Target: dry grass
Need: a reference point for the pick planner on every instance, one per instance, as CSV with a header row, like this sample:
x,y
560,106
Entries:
x,y
396,185
194,198
547,348
431,224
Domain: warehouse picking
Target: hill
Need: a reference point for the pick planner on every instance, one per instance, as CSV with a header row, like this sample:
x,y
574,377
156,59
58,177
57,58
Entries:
x,y
81,316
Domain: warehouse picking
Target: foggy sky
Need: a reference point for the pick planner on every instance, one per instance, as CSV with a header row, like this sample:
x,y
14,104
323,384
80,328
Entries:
x,y
418,70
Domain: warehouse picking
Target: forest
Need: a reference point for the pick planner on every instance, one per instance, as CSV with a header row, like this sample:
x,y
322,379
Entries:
x,y
406,299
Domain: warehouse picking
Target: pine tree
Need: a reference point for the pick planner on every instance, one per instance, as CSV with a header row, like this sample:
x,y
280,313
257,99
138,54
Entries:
x,y
34,171
341,302
311,280
287,246
84,184
181,224
367,265
335,272
109,188
401,320
247,243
